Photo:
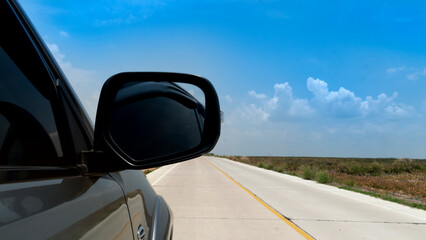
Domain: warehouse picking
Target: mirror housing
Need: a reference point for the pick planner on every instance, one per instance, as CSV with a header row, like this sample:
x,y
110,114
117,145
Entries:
x,y
178,127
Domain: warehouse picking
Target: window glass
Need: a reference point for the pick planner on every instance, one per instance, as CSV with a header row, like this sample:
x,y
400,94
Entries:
x,y
28,133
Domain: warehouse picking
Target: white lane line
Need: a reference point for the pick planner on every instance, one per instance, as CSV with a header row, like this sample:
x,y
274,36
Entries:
x,y
164,174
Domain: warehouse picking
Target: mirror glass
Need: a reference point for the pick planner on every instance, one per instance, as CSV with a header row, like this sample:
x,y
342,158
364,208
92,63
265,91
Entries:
x,y
157,119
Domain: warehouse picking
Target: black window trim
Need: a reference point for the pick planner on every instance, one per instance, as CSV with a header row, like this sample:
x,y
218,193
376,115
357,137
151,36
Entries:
x,y
67,165
57,74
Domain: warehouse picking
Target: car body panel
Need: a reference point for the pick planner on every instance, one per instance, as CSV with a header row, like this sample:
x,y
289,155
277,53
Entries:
x,y
67,208
144,205
61,202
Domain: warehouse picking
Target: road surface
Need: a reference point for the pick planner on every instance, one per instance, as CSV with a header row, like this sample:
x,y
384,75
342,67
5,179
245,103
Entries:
x,y
214,198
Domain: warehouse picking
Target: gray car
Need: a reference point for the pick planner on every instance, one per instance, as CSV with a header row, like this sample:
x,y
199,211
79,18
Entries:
x,y
63,178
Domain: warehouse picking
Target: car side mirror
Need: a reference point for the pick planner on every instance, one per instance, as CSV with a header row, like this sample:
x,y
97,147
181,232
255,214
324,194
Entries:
x,y
149,119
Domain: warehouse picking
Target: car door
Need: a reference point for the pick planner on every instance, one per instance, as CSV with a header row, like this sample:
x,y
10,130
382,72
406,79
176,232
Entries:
x,y
43,193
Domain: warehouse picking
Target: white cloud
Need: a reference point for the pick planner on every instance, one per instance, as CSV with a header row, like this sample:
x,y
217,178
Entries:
x,y
83,81
254,113
416,75
63,34
330,123
75,75
371,106
128,12
340,104
91,103
279,107
396,69
300,107
413,74
129,19
286,106
228,99
399,111
318,87
345,104
256,95
55,51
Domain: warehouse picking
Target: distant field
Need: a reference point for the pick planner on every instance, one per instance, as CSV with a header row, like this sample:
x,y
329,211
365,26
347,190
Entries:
x,y
398,180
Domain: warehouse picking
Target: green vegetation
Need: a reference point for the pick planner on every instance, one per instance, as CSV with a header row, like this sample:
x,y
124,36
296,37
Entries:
x,y
323,177
280,168
348,182
308,172
149,170
385,197
398,180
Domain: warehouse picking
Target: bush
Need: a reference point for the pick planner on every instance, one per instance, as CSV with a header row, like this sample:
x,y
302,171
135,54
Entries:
x,y
323,177
375,169
265,165
269,166
357,169
308,172
419,167
348,182
281,168
342,167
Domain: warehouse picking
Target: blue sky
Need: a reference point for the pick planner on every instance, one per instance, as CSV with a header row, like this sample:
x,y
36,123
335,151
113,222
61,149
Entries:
x,y
311,78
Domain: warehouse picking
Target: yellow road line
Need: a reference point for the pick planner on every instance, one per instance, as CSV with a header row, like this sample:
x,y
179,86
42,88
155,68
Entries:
x,y
290,223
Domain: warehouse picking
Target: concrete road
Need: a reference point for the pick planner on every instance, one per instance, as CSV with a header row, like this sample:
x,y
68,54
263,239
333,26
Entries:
x,y
208,205
214,198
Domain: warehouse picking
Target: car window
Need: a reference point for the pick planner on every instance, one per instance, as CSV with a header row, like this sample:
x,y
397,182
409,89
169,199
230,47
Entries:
x,y
28,133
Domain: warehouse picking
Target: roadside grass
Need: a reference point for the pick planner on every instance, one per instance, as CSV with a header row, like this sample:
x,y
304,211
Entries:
x,y
308,172
386,197
398,180
323,177
148,170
